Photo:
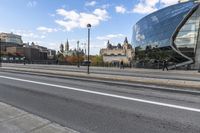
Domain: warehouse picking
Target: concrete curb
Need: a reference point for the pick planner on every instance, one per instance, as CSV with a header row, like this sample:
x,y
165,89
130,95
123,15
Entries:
x,y
142,80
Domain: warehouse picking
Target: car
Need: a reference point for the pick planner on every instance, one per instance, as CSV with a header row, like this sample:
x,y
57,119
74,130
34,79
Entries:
x,y
86,63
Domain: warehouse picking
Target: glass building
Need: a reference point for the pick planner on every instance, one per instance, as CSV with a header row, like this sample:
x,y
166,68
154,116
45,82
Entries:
x,y
169,34
11,38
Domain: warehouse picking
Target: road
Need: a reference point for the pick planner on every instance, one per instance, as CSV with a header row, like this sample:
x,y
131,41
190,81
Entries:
x,y
99,107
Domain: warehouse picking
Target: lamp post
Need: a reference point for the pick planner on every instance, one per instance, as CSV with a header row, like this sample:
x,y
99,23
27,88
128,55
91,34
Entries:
x,y
78,53
0,54
89,27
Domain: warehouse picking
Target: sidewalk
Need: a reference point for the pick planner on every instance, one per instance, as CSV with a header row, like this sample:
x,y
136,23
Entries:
x,y
134,79
13,120
195,72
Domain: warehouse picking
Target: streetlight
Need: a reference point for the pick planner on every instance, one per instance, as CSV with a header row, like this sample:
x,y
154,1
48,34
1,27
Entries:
x,y
89,27
78,53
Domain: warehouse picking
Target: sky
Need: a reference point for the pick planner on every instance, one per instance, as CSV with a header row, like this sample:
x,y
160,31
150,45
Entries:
x,y
51,22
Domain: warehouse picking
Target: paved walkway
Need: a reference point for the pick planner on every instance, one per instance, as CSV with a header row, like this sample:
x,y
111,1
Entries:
x,y
93,68
13,120
189,81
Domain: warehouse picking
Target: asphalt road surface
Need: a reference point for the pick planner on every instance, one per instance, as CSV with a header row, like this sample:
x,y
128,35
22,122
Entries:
x,y
97,107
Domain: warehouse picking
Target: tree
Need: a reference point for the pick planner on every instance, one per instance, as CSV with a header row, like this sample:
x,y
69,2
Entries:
x,y
74,59
97,60
60,57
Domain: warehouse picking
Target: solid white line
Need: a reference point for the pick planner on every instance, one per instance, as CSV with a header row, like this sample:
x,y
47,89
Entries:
x,y
106,94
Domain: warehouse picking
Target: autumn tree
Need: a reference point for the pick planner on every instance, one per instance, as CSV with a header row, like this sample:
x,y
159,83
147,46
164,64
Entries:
x,y
97,60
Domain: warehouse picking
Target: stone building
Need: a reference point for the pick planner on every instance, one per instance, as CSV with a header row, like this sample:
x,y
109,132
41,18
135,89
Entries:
x,y
116,54
64,49
61,48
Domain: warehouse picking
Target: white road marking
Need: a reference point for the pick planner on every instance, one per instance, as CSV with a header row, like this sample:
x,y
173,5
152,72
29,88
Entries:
x,y
107,94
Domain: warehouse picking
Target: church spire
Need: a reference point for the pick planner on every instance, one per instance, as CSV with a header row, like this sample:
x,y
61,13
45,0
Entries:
x,y
67,46
61,48
126,40
109,46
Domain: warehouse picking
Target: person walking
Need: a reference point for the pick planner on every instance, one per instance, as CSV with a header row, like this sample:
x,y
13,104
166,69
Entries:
x,y
165,65
24,60
122,65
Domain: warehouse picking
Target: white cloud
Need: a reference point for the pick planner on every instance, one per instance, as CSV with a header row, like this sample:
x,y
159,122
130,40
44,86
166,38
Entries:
x,y
43,36
52,15
88,18
90,3
142,9
105,6
120,9
151,2
46,30
110,36
73,19
72,15
69,25
146,6
149,6
31,3
168,2
27,34
101,14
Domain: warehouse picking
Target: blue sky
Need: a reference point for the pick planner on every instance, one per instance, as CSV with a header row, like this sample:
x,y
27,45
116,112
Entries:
x,y
50,22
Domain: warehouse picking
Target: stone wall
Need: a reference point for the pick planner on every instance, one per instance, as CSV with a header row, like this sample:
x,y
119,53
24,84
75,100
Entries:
x,y
112,52
110,59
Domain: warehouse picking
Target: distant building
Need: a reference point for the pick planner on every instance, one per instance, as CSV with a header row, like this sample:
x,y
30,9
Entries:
x,y
70,52
61,48
51,54
10,40
116,54
14,49
67,46
30,52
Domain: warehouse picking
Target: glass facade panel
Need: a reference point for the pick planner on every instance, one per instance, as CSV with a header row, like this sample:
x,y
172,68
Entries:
x,y
160,25
189,27
187,36
186,41
159,28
